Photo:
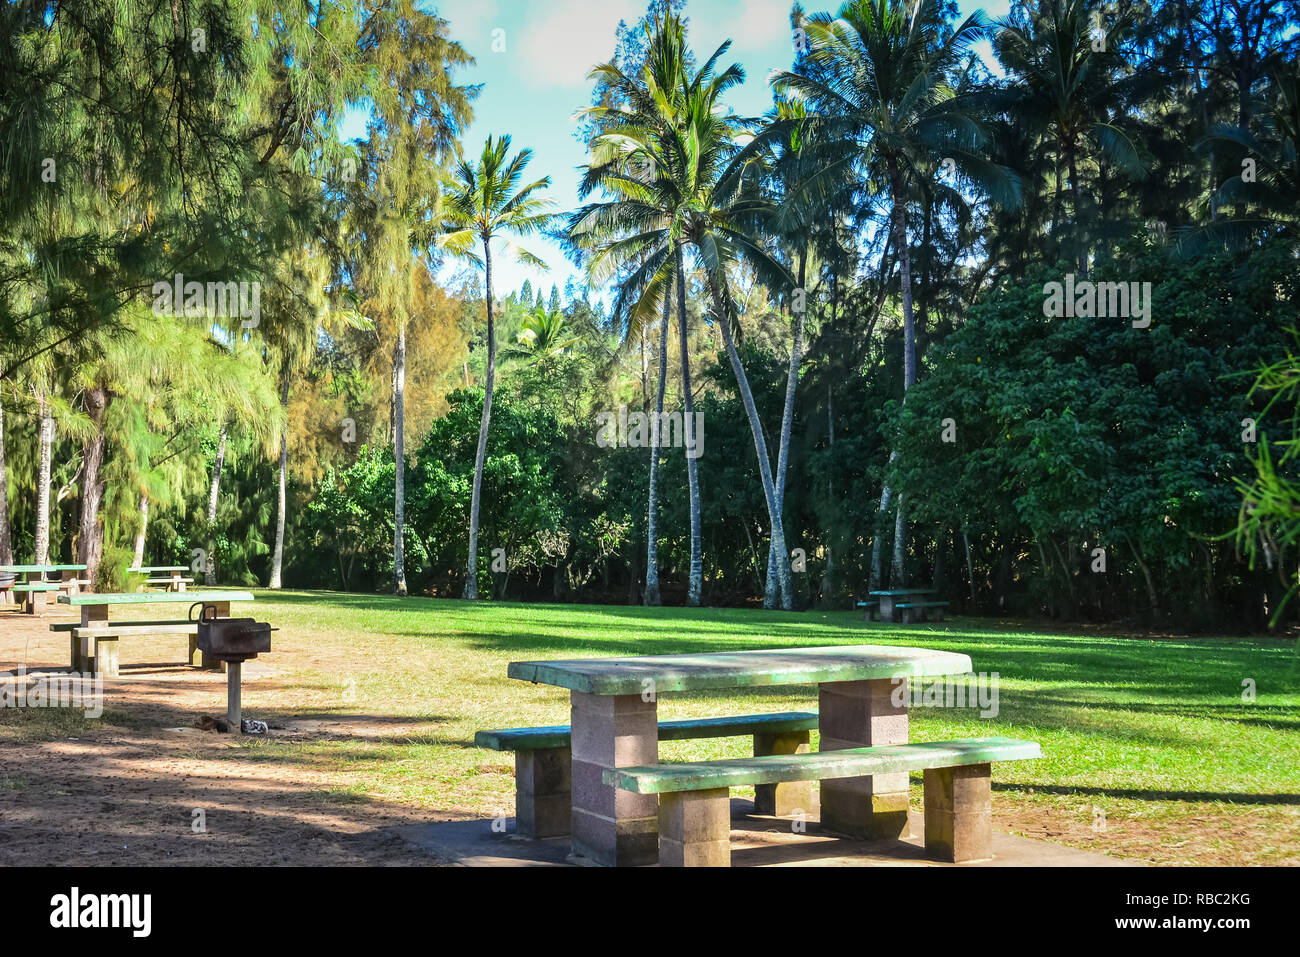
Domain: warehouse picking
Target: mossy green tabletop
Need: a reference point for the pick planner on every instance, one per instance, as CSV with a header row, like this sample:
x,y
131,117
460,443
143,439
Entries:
x,y
740,669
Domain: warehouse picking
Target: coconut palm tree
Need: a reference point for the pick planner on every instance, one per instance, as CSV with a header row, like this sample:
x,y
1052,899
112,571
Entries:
x,y
1268,201
877,75
485,202
544,333
811,182
701,194
1069,83
645,102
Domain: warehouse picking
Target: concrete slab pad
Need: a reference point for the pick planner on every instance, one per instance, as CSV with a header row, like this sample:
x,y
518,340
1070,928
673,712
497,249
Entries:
x,y
756,841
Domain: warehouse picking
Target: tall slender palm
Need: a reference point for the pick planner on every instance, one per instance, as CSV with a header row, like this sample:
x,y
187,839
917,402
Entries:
x,y
647,105
1269,202
810,181
877,75
702,195
652,596
720,214
485,202
1067,84
6,536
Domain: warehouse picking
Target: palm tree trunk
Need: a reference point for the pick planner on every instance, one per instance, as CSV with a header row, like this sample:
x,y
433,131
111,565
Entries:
x,y
43,485
690,440
760,444
1080,247
6,536
909,342
471,578
90,535
137,554
970,571
277,557
652,510
827,587
898,570
783,453
886,493
399,462
210,566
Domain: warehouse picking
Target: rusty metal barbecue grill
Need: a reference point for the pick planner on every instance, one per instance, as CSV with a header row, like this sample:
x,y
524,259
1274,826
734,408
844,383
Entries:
x,y
234,641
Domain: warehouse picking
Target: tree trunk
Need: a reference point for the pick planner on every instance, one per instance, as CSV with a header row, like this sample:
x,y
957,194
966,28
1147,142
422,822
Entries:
x,y
886,493
471,579
399,462
277,557
6,536
90,535
210,566
1080,248
828,587
898,568
695,586
137,555
937,581
1152,597
43,485
783,453
909,342
760,444
652,510
970,571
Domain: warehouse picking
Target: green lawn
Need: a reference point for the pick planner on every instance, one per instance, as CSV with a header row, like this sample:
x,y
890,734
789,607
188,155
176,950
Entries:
x,y
1150,750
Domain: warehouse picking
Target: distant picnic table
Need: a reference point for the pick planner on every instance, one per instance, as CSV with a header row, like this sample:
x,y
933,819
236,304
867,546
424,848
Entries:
x,y
69,581
170,576
94,645
912,603
617,788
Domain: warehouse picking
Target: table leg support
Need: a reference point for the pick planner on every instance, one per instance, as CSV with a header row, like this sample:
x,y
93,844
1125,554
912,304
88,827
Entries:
x,y
695,828
543,792
106,660
959,813
787,798
863,714
613,827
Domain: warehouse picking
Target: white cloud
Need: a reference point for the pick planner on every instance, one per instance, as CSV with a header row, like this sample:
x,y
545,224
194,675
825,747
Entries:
x,y
557,43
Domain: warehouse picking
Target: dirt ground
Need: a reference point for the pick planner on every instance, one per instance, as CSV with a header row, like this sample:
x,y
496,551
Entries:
x,y
143,787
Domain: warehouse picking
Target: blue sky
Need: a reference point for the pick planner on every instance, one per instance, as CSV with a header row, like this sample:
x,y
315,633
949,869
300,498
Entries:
x,y
532,89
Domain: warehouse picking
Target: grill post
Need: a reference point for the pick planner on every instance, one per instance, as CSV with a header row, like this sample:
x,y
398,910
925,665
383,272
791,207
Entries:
x,y
233,705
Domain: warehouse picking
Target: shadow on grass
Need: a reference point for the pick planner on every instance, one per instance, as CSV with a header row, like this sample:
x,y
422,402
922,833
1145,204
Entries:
x,y
1147,794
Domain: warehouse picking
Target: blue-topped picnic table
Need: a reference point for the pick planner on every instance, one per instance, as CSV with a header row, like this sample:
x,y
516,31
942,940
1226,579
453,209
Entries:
x,y
911,602
614,724
95,640
69,581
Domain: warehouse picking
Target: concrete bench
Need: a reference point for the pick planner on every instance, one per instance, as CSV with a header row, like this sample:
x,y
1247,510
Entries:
x,y
178,584
94,649
906,607
543,763
695,807
872,608
35,592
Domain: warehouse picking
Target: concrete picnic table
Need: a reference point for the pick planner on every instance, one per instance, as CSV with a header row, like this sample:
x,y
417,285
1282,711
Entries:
x,y
94,607
174,574
68,580
614,721
887,599
94,613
